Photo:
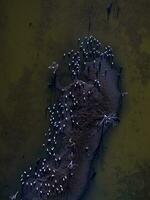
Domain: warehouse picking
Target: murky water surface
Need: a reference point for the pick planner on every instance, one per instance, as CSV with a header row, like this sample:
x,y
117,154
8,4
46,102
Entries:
x,y
36,32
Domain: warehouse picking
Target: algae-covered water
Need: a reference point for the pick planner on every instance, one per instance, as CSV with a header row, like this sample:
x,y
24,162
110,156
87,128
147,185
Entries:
x,y
36,32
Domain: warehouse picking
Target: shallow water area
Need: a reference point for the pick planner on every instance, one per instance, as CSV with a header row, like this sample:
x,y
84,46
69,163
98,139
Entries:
x,y
34,33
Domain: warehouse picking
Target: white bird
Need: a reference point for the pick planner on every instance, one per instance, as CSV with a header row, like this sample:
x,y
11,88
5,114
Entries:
x,y
13,197
124,93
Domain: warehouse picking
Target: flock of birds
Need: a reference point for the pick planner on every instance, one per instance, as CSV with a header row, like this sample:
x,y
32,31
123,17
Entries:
x,y
52,173
90,50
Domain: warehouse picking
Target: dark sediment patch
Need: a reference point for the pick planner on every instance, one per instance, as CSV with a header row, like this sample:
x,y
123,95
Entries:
x,y
84,110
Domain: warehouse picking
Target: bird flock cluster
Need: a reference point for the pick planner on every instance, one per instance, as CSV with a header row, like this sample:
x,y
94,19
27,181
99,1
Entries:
x,y
52,174
90,51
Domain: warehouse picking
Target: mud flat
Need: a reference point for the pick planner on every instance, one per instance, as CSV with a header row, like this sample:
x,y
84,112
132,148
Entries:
x,y
84,110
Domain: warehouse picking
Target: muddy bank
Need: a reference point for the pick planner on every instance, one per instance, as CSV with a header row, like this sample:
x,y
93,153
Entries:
x,y
84,110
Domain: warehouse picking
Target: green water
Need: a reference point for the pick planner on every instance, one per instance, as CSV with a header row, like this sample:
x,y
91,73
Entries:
x,y
36,32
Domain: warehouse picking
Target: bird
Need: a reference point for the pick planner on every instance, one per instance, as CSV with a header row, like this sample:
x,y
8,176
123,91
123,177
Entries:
x,y
13,197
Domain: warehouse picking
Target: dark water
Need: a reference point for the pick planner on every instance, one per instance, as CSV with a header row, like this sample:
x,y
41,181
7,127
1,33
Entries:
x,y
36,32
